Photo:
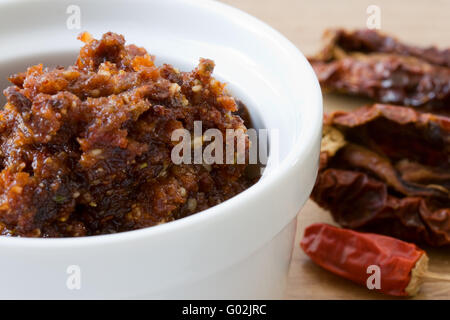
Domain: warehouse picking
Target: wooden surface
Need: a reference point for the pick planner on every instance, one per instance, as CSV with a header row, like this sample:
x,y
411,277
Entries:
x,y
303,21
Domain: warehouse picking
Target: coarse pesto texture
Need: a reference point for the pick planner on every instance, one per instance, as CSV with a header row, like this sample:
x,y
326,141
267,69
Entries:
x,y
86,150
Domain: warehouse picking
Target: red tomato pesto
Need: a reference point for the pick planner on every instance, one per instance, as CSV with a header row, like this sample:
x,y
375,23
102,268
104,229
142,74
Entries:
x,y
86,149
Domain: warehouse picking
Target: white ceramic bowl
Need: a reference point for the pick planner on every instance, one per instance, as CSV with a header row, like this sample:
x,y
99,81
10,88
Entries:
x,y
238,249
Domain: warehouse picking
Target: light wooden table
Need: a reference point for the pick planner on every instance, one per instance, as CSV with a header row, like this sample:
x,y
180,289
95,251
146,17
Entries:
x,y
303,21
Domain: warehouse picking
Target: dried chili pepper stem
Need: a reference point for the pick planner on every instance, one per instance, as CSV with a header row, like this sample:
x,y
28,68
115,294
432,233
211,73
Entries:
x,y
428,275
404,267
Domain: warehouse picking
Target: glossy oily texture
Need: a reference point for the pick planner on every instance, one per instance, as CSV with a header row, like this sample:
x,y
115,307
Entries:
x,y
87,149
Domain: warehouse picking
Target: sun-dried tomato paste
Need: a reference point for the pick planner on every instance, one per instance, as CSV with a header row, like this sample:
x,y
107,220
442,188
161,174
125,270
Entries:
x,y
86,149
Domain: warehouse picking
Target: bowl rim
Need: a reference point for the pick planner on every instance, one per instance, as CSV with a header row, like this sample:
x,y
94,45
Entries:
x,y
295,155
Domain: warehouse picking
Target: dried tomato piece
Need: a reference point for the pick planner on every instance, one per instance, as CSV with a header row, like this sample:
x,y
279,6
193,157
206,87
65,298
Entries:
x,y
386,169
379,67
369,41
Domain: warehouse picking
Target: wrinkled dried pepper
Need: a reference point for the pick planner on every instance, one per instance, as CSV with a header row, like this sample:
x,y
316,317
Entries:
x,y
370,64
370,41
347,253
386,169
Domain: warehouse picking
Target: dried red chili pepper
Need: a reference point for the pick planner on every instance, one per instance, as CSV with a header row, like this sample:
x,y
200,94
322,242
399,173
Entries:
x,y
369,64
347,253
369,41
386,169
